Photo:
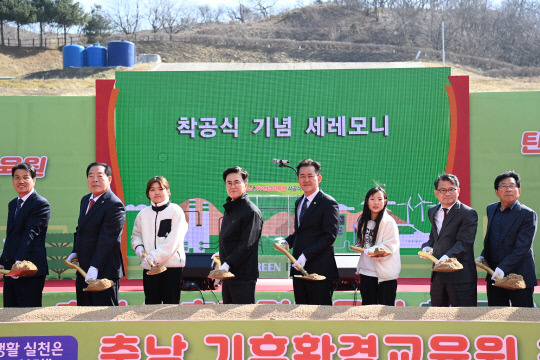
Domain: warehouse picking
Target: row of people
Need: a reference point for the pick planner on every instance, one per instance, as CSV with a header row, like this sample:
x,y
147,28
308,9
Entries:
x,y
159,230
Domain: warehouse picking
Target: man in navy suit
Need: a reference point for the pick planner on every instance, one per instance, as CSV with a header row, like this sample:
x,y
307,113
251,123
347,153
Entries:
x,y
98,238
316,225
453,231
28,219
508,243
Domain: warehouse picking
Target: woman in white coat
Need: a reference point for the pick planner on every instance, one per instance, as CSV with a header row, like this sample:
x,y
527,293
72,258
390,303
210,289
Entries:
x,y
158,235
377,229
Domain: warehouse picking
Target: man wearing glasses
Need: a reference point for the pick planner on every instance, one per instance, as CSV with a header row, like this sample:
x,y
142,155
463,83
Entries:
x,y
508,243
239,238
452,236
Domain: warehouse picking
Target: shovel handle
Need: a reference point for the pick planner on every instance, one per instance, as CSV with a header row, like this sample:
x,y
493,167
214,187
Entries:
x,y
4,271
217,260
427,256
76,267
486,268
150,262
357,248
293,260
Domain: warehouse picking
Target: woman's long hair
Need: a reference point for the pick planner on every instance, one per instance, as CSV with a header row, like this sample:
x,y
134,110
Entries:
x,y
366,216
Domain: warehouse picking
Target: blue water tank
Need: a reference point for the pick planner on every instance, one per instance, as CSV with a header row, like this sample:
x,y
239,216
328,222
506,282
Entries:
x,y
73,56
121,53
96,55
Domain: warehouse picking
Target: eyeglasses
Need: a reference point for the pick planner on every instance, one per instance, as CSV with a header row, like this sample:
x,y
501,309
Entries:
x,y
236,183
23,178
444,191
508,187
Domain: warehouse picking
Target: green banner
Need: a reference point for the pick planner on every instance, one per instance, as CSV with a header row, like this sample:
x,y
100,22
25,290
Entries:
x,y
386,125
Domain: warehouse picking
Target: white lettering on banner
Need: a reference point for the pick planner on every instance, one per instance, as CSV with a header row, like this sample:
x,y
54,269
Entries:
x,y
269,267
530,143
8,162
282,127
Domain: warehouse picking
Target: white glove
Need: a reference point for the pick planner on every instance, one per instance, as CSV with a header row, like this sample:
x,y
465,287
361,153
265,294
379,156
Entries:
x,y
427,249
139,250
225,267
301,261
14,277
480,259
17,261
150,259
283,243
444,257
215,255
366,252
497,272
91,274
71,257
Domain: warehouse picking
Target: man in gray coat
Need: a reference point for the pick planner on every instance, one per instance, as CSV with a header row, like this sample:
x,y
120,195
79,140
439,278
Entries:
x,y
452,236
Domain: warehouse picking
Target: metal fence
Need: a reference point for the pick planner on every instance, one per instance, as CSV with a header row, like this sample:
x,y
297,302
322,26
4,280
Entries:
x,y
58,40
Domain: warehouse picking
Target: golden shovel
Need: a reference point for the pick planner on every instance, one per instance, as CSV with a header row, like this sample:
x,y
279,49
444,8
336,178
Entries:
x,y
220,274
305,275
93,285
449,265
379,252
155,269
510,282
23,268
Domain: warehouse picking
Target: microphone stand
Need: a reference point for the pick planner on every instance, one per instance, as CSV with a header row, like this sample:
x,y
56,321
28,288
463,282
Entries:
x,y
281,164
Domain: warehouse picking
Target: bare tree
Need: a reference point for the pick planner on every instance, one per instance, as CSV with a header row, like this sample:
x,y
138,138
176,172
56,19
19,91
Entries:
x,y
242,13
264,7
175,18
154,15
125,16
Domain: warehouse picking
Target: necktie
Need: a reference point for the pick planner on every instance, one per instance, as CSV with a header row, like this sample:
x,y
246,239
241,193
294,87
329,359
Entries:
x,y
445,211
19,205
90,206
304,208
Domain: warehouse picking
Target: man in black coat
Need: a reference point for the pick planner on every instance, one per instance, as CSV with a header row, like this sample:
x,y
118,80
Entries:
x,y
316,225
239,238
28,219
452,235
508,245
98,238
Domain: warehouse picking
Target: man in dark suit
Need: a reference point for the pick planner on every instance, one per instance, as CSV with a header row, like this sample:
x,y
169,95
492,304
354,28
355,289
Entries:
x,y
452,235
98,238
28,219
316,225
508,243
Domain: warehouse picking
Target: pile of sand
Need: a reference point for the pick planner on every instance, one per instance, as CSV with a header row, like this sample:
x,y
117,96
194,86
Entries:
x,y
266,312
448,265
24,265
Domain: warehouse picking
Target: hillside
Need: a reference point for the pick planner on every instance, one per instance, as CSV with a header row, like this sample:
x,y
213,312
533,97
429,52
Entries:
x,y
300,35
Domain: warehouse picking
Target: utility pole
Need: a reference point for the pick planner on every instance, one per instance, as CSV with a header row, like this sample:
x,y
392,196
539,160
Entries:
x,y
442,35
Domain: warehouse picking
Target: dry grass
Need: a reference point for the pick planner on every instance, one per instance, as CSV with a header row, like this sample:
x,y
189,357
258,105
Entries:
x,y
39,72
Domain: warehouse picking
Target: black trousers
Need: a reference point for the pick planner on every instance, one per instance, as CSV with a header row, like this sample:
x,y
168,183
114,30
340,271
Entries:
x,y
503,297
24,291
374,292
163,288
444,294
313,292
236,291
108,297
